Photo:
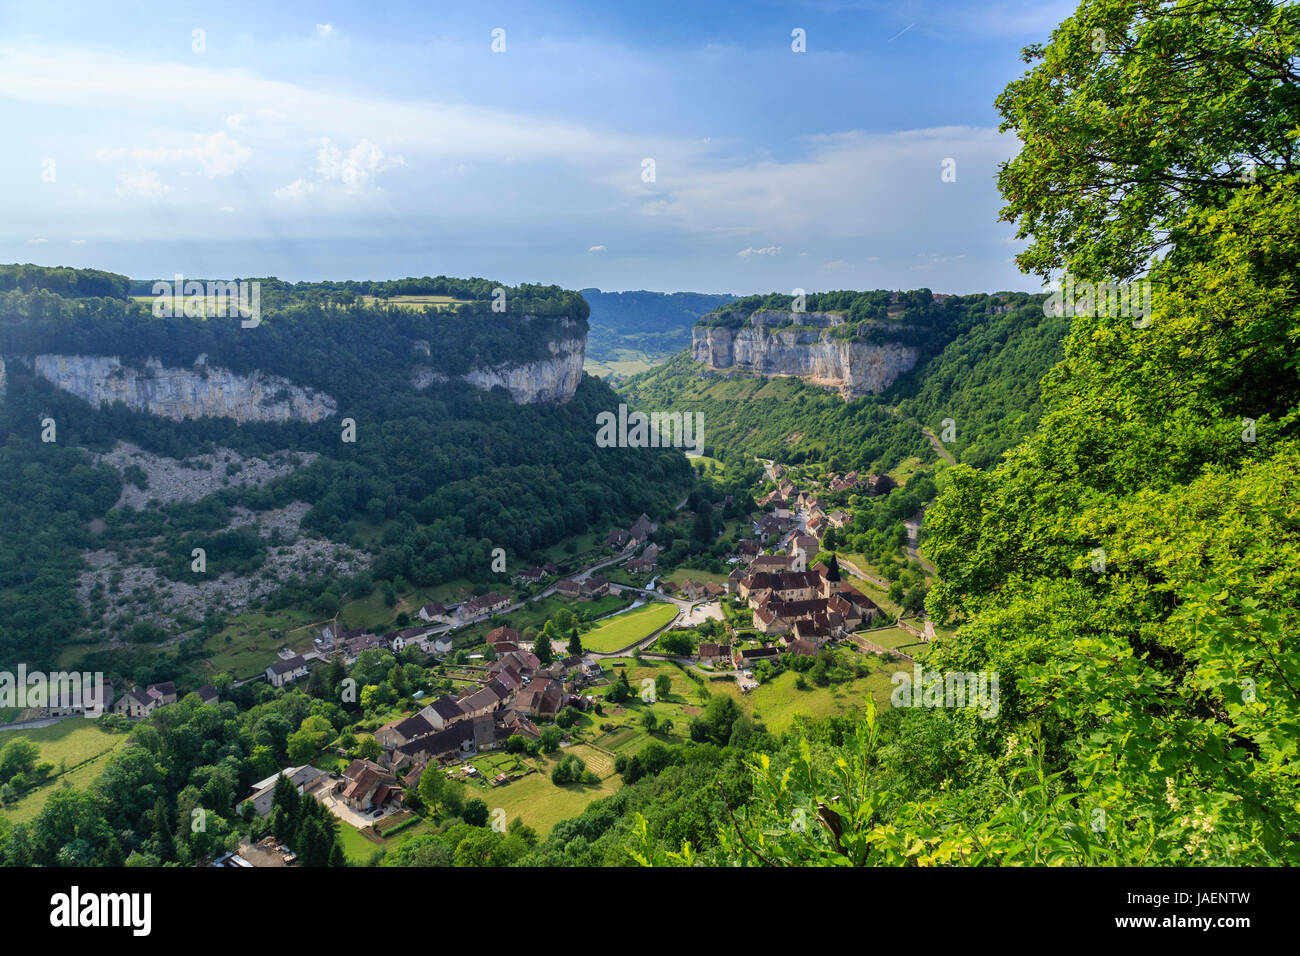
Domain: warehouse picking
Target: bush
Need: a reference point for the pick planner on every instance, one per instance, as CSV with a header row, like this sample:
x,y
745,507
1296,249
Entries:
x,y
571,769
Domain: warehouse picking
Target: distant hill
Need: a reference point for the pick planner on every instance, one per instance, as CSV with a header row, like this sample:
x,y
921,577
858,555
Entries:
x,y
631,331
979,362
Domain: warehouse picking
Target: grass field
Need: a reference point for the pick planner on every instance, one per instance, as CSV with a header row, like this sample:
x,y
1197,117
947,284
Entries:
x,y
416,301
359,850
678,575
890,637
626,629
210,304
906,469
778,701
540,803
624,363
70,742
254,637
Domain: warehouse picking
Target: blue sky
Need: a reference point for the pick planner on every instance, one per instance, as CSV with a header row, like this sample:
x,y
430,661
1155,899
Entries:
x,y
347,140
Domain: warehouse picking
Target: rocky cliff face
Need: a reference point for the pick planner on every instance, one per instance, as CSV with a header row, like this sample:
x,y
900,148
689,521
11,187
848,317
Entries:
x,y
546,380
855,368
201,391
553,379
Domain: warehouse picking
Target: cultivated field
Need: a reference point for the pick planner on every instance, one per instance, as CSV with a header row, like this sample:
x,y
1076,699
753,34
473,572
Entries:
x,y
626,629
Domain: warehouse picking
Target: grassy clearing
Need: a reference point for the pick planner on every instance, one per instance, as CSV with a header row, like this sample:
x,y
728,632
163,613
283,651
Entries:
x,y
420,302
777,702
624,363
77,743
247,645
906,469
890,637
359,850
678,575
626,629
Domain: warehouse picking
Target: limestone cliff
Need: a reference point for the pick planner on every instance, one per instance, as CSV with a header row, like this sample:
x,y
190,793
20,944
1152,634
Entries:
x,y
201,391
855,368
553,379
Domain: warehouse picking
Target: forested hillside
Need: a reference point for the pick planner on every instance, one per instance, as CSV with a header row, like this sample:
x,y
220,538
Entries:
x,y
987,379
436,476
780,418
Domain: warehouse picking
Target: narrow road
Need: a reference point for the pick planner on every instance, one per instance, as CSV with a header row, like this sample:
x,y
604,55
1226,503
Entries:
x,y
938,446
913,526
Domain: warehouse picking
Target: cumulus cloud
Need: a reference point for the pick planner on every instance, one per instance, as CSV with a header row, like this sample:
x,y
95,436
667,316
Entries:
x,y
143,183
218,155
325,30
346,171
596,249
37,242
765,251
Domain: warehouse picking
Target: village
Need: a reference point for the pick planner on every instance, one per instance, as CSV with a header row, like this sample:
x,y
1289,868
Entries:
x,y
782,604
499,697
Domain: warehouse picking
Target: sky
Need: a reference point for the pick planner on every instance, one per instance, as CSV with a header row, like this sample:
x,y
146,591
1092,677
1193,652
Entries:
x,y
666,145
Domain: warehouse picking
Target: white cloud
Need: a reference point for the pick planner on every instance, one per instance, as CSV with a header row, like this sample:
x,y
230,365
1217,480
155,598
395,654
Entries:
x,y
78,242
765,251
143,183
845,186
298,189
217,154
87,79
349,171
325,30
597,249
37,242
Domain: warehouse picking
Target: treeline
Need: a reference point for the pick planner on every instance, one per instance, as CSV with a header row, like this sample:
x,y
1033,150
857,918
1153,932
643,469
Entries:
x,y
64,281
857,307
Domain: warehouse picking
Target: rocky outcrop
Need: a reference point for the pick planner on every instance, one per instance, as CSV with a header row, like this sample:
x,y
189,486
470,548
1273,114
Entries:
x,y
201,391
552,379
854,368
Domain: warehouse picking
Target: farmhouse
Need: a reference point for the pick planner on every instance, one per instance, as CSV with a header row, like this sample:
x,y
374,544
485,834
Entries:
x,y
483,604
138,702
397,732
306,778
366,785
435,613
541,699
504,639
287,671
443,712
